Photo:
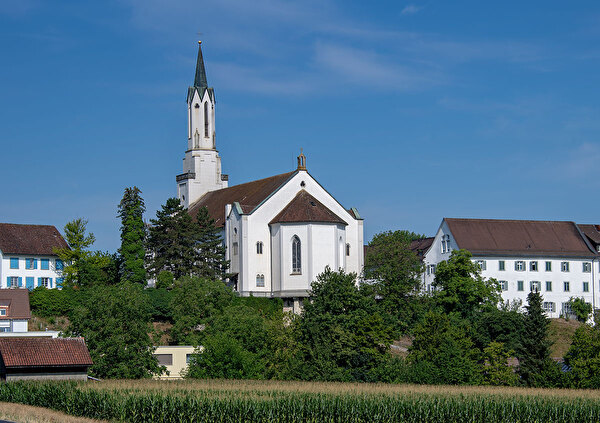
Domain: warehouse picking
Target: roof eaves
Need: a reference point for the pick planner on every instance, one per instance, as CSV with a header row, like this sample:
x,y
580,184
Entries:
x,y
238,208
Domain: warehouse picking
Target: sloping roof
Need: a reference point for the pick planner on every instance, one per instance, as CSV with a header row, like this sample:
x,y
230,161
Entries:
x,y
519,237
248,195
420,246
44,352
17,301
306,208
30,239
592,232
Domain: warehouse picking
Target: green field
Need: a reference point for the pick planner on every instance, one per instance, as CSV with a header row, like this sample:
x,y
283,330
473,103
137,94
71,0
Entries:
x,y
256,401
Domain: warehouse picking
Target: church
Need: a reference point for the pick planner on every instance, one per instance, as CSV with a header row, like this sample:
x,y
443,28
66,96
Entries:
x,y
280,232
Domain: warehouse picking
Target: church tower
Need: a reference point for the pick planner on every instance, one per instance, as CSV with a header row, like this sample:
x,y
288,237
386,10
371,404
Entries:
x,y
202,163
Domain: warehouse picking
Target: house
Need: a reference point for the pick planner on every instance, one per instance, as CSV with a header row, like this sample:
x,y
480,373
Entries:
x,y
44,358
554,258
280,232
14,310
175,358
27,257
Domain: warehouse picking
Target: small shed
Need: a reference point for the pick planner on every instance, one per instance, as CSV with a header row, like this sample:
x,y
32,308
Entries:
x,y
44,358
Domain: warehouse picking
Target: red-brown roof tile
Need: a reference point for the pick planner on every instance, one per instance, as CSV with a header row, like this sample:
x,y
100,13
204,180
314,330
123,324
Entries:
x,y
519,237
420,246
592,232
17,301
306,208
248,195
44,352
30,239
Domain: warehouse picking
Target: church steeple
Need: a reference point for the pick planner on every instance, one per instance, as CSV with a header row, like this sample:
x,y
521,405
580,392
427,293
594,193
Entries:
x,y
200,79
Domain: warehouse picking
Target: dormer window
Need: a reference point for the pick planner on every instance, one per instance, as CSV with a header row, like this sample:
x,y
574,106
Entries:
x,y
3,311
445,243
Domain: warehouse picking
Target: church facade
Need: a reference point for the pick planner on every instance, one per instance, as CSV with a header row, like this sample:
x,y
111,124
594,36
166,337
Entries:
x,y
280,232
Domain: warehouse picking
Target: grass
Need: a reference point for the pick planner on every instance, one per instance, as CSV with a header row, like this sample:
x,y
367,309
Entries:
x,y
28,414
561,334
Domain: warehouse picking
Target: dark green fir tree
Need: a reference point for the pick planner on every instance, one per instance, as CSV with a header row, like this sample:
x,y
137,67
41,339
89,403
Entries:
x,y
133,236
211,262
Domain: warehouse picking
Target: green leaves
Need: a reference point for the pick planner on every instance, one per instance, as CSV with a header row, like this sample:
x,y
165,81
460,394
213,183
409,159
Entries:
x,y
133,236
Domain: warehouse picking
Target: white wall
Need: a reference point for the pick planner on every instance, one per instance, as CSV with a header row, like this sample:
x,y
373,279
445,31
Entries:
x,y
22,272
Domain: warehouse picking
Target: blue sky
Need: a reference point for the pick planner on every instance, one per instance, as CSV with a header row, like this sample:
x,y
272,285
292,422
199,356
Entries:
x,y
408,111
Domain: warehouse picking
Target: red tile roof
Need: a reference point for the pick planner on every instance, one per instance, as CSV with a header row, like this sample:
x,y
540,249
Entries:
x,y
306,208
17,301
592,232
420,246
44,352
248,195
30,239
519,237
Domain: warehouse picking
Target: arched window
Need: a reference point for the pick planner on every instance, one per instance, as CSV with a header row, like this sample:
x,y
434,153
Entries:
x,y
206,119
348,249
259,247
260,280
296,255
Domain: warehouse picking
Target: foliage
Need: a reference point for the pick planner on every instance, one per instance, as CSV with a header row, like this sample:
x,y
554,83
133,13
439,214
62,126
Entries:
x,y
443,350
160,304
133,236
581,309
584,357
46,302
195,301
461,288
533,350
496,370
210,260
165,280
497,325
115,322
341,335
171,241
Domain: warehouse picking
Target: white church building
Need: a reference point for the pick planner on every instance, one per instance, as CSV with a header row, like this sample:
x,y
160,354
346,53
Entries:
x,y
280,232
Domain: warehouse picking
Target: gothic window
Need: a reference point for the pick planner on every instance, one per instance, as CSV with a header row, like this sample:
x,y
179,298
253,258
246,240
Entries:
x,y
206,120
260,280
259,247
296,258
347,249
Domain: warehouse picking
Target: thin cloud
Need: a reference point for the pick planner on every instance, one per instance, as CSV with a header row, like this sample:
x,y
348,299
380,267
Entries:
x,y
411,9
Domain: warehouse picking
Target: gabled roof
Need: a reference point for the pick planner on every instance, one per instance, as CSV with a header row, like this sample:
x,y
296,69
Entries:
x,y
44,352
421,246
519,237
306,208
592,232
30,239
17,301
249,195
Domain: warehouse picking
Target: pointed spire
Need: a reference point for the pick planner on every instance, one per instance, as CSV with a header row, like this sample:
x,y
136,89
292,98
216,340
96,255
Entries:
x,y
301,161
200,79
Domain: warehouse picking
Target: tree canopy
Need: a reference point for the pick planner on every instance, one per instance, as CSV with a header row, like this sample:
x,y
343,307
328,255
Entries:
x,y
133,236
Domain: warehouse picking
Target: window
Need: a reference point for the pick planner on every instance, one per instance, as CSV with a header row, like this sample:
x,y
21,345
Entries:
x,y
164,359
44,264
45,282
13,282
548,266
260,280
59,282
235,248
504,285
481,264
14,263
431,269
206,119
3,311
5,329
519,266
548,286
566,309
533,266
296,255
59,264
188,358
259,247
566,286
587,267
347,250
549,307
586,287
520,286
445,243
501,265
564,266
30,263
534,286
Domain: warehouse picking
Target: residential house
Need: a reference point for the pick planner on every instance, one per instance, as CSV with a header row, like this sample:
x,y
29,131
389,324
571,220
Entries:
x,y
175,358
14,310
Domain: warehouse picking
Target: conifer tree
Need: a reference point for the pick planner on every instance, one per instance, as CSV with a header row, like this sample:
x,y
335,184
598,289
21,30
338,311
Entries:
x,y
133,236
534,347
171,241
210,250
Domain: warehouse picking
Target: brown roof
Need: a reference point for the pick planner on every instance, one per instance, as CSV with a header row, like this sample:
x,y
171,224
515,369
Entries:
x,y
17,301
248,195
420,246
520,237
592,232
306,208
30,239
44,352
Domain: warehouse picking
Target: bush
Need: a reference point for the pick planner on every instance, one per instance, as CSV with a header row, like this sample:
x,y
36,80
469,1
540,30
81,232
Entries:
x,y
51,302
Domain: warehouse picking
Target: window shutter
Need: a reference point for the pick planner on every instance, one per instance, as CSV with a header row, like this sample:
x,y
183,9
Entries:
x,y
20,282
39,282
59,282
8,281
35,263
49,282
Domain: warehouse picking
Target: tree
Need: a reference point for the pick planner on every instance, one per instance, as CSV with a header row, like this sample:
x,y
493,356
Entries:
x,y
581,309
172,241
495,369
583,357
210,261
115,322
133,236
461,288
533,350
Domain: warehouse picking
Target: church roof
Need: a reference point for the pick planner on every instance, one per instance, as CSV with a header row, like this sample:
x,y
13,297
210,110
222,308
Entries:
x,y
306,208
519,237
249,196
30,239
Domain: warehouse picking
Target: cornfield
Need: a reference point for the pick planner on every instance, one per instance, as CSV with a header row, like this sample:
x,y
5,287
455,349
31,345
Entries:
x,y
172,402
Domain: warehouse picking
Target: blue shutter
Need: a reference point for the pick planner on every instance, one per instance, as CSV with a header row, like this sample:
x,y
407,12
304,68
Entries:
x,y
39,281
29,282
49,282
35,263
20,282
59,282
8,281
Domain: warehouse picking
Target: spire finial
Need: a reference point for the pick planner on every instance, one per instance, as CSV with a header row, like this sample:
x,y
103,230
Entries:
x,y
200,77
301,161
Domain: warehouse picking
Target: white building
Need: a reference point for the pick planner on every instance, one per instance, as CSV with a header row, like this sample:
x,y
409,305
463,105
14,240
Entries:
x,y
27,257
14,311
554,258
280,232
